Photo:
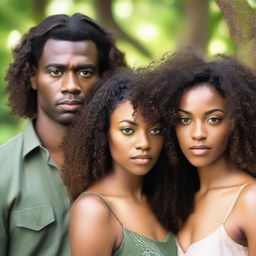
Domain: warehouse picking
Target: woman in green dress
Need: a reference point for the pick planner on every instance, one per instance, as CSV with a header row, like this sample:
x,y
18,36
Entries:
x,y
117,174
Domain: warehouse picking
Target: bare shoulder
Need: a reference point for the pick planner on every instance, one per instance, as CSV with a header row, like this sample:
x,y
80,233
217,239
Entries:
x,y
246,212
92,224
248,195
246,203
91,206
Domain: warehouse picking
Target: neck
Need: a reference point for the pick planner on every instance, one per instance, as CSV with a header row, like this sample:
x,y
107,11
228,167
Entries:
x,y
218,175
51,134
121,184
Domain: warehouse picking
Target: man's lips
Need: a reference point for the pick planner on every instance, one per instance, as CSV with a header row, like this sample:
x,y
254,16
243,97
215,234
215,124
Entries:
x,y
141,159
199,149
70,104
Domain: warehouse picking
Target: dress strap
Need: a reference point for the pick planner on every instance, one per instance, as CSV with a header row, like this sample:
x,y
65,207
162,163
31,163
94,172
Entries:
x,y
107,203
234,202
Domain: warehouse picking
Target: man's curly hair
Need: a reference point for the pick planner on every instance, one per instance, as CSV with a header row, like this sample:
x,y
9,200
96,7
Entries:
x,y
162,89
78,27
86,148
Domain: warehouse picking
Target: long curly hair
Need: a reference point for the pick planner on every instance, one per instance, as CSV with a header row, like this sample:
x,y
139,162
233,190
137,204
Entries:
x,y
78,27
86,148
162,89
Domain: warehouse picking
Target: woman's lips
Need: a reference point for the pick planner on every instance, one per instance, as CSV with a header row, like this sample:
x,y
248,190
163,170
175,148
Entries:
x,y
199,150
141,159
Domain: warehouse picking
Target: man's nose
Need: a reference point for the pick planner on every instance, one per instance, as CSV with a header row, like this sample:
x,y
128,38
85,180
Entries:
x,y
70,84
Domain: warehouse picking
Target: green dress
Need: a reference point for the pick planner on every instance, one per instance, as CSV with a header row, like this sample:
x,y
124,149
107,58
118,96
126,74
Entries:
x,y
134,244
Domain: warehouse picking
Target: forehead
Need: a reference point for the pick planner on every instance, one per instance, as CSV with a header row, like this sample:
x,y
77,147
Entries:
x,y
202,96
60,51
124,110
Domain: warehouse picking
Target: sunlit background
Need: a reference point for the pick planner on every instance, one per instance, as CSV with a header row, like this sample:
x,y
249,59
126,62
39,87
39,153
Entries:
x,y
145,30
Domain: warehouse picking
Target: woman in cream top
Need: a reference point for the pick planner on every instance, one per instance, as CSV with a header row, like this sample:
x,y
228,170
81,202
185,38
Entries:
x,y
209,109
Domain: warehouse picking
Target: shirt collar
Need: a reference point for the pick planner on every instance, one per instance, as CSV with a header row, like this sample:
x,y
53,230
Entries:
x,y
30,139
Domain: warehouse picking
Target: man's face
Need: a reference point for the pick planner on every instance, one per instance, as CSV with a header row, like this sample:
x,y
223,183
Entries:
x,y
66,72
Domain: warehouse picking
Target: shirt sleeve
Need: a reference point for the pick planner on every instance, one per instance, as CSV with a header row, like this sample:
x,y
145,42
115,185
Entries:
x,y
3,223
8,186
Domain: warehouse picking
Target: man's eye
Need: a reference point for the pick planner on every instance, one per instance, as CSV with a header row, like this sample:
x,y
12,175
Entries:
x,y
155,131
127,131
85,73
185,120
55,72
214,120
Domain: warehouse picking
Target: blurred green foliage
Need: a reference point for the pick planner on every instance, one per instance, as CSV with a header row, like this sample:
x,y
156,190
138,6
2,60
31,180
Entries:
x,y
157,25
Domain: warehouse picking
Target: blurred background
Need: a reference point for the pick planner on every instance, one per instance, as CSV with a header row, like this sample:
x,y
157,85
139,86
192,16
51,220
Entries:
x,y
144,29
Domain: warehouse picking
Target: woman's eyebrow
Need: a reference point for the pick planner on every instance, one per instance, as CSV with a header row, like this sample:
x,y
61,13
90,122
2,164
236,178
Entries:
x,y
214,110
184,111
128,121
206,113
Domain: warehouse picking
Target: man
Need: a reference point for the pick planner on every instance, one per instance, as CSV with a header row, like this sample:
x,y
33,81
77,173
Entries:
x,y
55,65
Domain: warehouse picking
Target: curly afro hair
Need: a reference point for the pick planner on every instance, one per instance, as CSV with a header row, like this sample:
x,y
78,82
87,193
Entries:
x,y
86,149
161,91
78,27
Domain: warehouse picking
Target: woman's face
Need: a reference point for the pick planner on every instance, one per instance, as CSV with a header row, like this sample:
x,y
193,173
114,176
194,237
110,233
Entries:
x,y
134,145
203,128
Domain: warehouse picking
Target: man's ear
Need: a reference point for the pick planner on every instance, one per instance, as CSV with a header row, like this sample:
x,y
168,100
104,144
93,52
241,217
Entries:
x,y
33,82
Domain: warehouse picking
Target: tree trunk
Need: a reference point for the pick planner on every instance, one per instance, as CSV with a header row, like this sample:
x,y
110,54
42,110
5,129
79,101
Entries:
x,y
241,21
105,17
196,29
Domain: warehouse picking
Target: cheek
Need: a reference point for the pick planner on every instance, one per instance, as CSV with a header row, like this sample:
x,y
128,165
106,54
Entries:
x,y
160,144
222,138
46,95
157,146
47,89
223,132
182,136
88,85
117,143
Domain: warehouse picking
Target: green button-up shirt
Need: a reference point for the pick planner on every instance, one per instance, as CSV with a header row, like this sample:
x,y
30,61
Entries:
x,y
33,200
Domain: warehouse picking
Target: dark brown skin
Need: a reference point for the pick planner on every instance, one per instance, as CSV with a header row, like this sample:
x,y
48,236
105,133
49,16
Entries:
x,y
66,71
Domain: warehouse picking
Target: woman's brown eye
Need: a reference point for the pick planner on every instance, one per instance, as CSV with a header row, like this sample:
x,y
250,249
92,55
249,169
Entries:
x,y
185,120
127,131
214,120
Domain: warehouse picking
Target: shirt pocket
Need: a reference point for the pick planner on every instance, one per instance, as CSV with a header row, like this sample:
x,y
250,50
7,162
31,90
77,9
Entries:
x,y
34,218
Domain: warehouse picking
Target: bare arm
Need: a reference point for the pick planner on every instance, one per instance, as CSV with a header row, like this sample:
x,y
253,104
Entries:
x,y
247,216
93,229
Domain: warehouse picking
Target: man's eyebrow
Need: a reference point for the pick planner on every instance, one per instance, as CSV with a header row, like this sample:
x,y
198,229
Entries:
x,y
57,65
206,113
77,67
86,66
128,121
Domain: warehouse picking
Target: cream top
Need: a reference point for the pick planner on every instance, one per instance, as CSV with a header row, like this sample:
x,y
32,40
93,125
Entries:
x,y
218,243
